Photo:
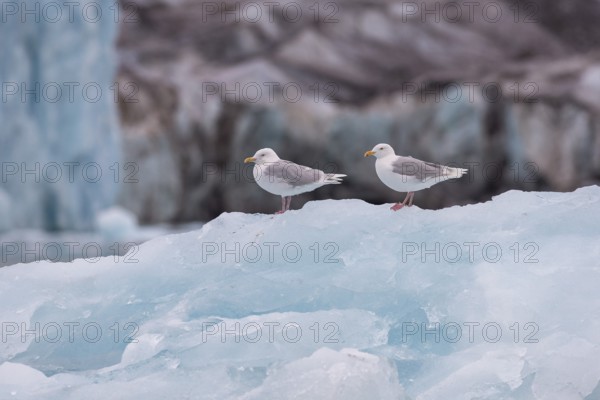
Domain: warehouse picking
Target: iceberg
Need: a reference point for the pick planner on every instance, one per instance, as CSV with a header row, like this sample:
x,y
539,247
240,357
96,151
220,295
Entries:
x,y
60,146
116,224
340,299
5,215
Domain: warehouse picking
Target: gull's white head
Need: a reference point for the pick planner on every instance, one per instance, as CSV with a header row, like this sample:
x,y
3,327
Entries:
x,y
263,156
381,150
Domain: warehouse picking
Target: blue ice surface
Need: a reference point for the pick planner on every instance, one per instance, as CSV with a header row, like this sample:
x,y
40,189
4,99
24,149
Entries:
x,y
340,299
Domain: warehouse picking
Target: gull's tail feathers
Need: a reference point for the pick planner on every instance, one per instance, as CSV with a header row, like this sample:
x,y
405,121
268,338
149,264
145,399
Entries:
x,y
334,179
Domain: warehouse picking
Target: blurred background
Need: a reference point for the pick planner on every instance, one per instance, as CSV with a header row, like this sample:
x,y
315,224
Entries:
x,y
123,121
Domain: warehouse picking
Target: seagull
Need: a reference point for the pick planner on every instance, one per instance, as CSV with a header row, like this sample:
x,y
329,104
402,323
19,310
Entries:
x,y
285,178
407,174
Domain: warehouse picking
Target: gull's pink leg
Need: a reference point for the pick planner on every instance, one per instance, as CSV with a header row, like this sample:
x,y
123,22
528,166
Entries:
x,y
289,202
410,202
282,206
285,204
398,206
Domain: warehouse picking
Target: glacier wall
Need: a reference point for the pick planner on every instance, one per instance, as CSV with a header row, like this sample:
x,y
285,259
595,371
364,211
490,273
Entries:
x,y
59,139
520,114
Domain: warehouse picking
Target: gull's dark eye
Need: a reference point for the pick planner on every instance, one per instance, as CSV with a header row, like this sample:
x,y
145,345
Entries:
x,y
381,148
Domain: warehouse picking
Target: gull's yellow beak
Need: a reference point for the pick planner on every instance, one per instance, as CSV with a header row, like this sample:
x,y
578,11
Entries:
x,y
369,153
249,159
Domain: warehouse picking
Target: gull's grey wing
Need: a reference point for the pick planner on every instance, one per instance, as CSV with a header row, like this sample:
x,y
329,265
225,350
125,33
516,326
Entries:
x,y
292,173
421,170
